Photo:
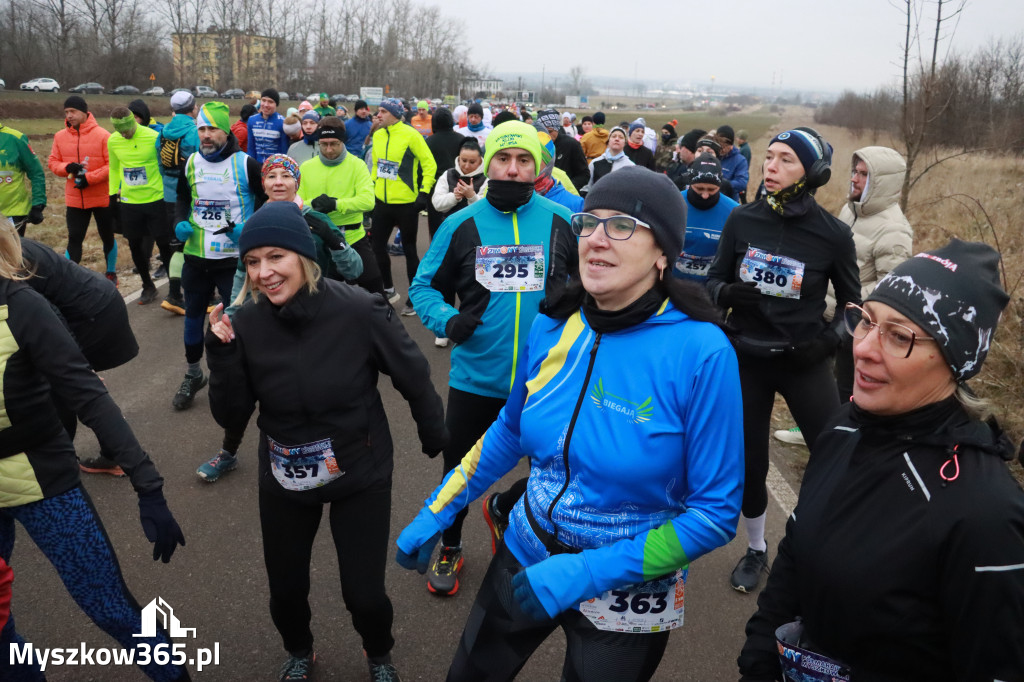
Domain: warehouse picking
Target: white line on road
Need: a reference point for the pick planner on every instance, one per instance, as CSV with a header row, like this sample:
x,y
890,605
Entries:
x,y
780,490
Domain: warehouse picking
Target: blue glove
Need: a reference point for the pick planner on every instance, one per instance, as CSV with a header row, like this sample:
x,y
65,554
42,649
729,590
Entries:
x,y
235,231
524,595
416,543
558,583
183,231
159,525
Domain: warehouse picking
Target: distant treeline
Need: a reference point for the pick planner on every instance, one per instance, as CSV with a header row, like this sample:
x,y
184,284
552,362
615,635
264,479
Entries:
x,y
978,102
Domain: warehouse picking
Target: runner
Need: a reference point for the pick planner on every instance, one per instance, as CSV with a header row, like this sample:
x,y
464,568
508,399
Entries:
x,y
266,129
178,140
135,176
39,481
706,212
633,475
909,487
338,450
80,154
513,231
308,147
611,159
774,262
19,163
403,171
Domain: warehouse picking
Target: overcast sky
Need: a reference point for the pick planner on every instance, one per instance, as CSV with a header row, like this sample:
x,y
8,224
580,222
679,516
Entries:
x,y
808,44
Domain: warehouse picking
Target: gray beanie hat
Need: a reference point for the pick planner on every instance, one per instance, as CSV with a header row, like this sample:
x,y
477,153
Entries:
x,y
650,198
954,294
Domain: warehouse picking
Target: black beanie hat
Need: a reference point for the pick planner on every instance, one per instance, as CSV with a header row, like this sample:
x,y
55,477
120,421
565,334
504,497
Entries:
x,y
137,106
502,117
705,169
670,128
272,94
586,119
247,111
278,223
76,102
650,198
726,133
475,108
954,295
689,140
599,118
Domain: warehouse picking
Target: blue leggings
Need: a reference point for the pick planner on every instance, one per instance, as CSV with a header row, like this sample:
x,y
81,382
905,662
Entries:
x,y
67,529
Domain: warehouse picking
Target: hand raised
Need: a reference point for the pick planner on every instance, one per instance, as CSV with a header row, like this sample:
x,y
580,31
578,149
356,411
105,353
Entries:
x,y
220,324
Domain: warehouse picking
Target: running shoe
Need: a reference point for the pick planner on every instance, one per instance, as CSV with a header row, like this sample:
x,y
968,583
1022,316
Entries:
x,y
496,521
160,272
221,464
190,385
408,310
395,250
383,670
298,668
148,295
112,276
100,465
791,436
174,304
440,342
392,296
443,576
747,574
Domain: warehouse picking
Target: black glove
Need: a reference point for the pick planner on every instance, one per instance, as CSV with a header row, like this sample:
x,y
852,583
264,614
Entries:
x,y
331,239
35,216
421,201
739,295
159,525
81,182
73,168
461,327
325,204
432,447
810,353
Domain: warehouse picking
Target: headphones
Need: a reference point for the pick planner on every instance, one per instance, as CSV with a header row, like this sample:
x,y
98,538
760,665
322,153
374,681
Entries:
x,y
820,171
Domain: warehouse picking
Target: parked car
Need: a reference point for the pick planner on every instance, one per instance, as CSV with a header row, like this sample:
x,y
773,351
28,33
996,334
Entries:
x,y
233,93
336,99
88,89
284,95
125,90
299,97
3,84
38,84
155,91
204,91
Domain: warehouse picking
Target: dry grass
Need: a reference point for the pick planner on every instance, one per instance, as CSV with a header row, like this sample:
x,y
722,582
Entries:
x,y
976,197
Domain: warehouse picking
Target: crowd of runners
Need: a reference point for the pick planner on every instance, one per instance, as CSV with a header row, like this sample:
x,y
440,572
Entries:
x,y
620,313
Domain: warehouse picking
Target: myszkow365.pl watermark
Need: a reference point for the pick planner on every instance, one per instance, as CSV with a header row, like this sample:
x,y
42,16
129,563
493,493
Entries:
x,y
156,612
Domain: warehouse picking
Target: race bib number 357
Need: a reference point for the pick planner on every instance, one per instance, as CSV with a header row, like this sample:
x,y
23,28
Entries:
x,y
774,275
510,267
303,467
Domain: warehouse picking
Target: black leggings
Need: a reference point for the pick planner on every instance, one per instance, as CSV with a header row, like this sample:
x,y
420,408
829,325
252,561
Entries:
x,y
360,525
370,279
78,225
811,396
406,218
141,224
468,417
499,638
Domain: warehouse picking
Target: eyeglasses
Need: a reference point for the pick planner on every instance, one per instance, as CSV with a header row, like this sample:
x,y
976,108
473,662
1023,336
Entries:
x,y
619,227
896,339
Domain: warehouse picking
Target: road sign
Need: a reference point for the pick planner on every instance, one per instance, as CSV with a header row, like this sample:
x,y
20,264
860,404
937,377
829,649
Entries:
x,y
372,96
152,77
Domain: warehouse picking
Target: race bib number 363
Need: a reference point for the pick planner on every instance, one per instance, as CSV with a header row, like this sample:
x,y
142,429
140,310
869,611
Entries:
x,y
654,606
774,275
510,267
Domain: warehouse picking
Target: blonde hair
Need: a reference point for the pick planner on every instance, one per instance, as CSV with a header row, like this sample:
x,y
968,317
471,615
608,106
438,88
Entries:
x,y
12,263
977,408
311,273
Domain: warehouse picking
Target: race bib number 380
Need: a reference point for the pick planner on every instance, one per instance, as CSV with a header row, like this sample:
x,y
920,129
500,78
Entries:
x,y
303,467
654,606
774,275
510,267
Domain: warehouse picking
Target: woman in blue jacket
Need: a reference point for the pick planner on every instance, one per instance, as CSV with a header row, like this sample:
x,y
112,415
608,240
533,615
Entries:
x,y
627,403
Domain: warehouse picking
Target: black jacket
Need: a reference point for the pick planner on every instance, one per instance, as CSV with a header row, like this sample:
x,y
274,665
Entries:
x,y
895,572
90,305
313,365
641,156
444,142
823,243
570,158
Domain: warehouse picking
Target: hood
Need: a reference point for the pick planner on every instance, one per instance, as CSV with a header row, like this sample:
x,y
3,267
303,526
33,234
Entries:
x,y
886,170
601,133
179,126
87,127
139,107
478,171
442,121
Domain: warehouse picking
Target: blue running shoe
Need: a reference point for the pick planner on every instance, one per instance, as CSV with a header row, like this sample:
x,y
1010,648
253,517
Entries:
x,y
219,465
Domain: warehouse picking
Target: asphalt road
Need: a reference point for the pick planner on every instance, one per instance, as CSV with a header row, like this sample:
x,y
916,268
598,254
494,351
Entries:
x,y
217,584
